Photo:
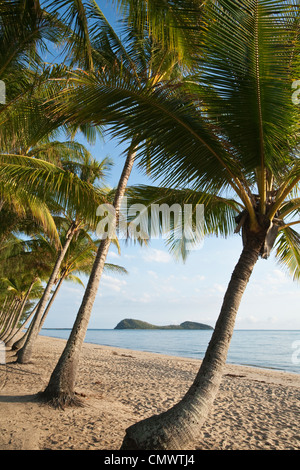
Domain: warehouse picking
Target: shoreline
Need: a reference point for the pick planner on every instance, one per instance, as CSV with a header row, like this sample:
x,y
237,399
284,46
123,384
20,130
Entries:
x,y
174,355
256,409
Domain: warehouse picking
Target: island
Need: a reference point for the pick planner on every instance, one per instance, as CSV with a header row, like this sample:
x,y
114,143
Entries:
x,y
131,324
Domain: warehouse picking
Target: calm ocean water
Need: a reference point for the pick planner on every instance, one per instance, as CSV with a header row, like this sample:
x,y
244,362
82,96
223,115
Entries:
x,y
271,349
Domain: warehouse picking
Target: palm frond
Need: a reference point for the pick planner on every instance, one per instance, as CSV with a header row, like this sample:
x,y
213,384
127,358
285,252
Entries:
x,y
174,215
170,24
74,279
44,178
115,269
288,252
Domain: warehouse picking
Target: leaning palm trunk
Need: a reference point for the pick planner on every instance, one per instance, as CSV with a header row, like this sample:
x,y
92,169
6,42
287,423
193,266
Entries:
x,y
18,343
25,353
19,337
3,311
180,426
10,320
6,316
60,389
9,338
51,301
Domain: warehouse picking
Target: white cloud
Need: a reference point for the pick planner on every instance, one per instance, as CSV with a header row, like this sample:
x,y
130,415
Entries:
x,y
77,291
129,256
156,256
113,283
277,277
153,274
113,255
249,320
145,298
272,283
219,288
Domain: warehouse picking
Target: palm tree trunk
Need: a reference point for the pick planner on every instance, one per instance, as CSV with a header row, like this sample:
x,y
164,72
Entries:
x,y
6,316
9,338
25,353
2,313
4,323
51,301
180,426
19,342
10,320
60,389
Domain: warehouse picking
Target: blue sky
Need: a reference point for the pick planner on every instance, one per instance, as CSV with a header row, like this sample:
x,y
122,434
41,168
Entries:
x,y
160,290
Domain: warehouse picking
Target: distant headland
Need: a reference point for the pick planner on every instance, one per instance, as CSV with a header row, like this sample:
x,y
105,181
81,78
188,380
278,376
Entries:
x,y
131,324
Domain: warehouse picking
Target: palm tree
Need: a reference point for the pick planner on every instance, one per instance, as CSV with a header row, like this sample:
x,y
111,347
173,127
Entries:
x,y
26,30
229,131
89,171
27,183
31,169
145,64
245,132
27,263
22,291
78,261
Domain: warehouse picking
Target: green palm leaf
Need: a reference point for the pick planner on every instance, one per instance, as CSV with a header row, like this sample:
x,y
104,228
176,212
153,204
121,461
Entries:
x,y
66,188
163,205
288,251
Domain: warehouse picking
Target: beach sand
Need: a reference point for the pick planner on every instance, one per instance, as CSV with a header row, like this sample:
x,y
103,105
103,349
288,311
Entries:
x,y
256,409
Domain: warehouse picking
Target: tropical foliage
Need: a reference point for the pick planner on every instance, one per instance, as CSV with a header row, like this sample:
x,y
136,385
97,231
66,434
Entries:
x,y
50,187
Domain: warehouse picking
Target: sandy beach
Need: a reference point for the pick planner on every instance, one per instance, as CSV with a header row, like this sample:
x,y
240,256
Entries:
x,y
256,409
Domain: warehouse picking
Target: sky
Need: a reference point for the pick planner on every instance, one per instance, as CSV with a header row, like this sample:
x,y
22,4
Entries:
x,y
161,290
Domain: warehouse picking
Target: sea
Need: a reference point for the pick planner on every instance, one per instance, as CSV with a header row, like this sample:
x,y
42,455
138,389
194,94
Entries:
x,y
267,349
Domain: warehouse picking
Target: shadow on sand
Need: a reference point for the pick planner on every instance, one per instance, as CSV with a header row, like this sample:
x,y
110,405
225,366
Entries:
x,y
18,398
